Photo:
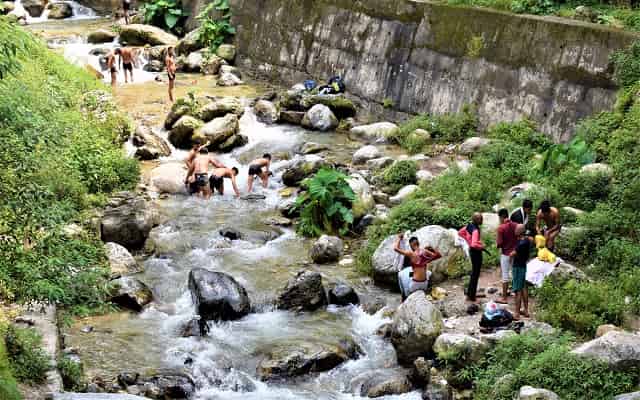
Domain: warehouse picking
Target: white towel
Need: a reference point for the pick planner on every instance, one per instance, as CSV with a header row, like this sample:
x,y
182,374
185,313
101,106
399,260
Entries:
x,y
538,270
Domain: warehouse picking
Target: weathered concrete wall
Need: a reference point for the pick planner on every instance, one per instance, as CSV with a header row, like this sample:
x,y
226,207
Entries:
x,y
434,58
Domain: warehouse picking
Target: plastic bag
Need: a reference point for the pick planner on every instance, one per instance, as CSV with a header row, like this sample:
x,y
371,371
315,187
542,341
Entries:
x,y
547,256
541,242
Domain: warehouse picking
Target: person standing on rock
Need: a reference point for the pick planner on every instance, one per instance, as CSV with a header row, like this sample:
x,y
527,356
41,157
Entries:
x,y
170,63
506,241
550,216
420,259
520,258
112,67
216,182
259,168
472,235
127,56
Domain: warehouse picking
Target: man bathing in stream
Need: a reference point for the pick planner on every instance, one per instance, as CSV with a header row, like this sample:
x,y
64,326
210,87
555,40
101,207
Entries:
x,y
198,175
216,181
420,259
127,58
259,168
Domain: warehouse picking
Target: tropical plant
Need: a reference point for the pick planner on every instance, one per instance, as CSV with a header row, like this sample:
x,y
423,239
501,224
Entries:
x,y
165,14
558,156
325,206
214,31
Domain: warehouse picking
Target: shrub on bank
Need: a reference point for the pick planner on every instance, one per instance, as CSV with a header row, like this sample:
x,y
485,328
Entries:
x,y
8,385
28,362
400,174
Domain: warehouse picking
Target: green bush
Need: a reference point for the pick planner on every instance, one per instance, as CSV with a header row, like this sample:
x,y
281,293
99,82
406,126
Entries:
x,y
165,14
8,384
325,206
581,307
583,191
213,32
537,7
29,362
626,65
400,174
523,133
560,156
72,374
545,361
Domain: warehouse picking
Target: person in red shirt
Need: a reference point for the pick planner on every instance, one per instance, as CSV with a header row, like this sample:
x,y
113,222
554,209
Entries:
x,y
420,259
506,241
471,234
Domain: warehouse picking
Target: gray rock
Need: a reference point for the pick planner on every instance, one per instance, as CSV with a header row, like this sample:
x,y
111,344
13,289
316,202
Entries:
x,y
193,62
472,145
130,293
597,168
34,7
153,66
101,36
301,168
6,7
188,44
416,326
220,107
195,327
230,69
227,52
379,163
218,130
127,220
492,339
183,130
364,202
304,291
374,132
229,79
121,262
424,176
169,178
313,148
292,117
320,118
531,393
326,249
233,142
140,35
403,194
212,65
169,385
437,391
619,350
150,146
383,382
218,296
266,112
471,348
564,272
364,154
364,223
59,10
421,372
343,295
628,396
156,53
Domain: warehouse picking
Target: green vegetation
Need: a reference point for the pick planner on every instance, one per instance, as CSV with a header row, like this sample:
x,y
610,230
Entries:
x,y
400,174
387,103
28,362
57,161
165,14
72,374
543,361
214,31
8,385
325,206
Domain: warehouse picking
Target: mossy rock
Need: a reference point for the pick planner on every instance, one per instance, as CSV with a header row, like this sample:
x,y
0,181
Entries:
x,y
182,131
338,104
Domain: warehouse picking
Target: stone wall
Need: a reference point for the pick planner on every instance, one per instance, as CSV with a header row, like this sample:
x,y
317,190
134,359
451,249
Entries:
x,y
434,58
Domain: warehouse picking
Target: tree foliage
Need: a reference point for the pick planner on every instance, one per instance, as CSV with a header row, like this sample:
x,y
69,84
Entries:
x,y
214,31
165,14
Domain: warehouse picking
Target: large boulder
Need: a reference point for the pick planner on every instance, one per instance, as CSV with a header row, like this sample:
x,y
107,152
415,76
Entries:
x,y
212,64
619,350
292,117
403,194
343,295
149,145
364,202
218,296
101,36
168,384
366,153
227,52
326,249
301,168
127,220
169,178
469,348
320,118
153,66
229,79
531,393
417,323
377,132
140,35
564,272
193,62
188,44
219,107
444,240
380,163
218,130
303,292
130,293
628,396
182,132
121,262
266,112
303,358
34,7
472,145
382,382
339,105
597,168
59,10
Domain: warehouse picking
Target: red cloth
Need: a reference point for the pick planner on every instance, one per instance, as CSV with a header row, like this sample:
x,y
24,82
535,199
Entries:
x,y
507,239
471,234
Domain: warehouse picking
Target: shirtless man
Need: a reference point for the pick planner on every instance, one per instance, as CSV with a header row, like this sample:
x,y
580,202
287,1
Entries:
x,y
170,63
216,181
551,218
127,57
259,168
112,66
198,173
191,181
420,259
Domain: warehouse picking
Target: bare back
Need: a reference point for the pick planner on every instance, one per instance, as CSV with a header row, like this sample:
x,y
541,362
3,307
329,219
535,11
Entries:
x,y
552,219
127,55
201,164
262,162
170,64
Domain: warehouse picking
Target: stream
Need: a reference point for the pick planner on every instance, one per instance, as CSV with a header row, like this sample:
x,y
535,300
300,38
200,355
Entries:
x,y
226,359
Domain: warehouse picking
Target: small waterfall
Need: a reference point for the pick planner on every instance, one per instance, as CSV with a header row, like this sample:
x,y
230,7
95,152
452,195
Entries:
x,y
78,12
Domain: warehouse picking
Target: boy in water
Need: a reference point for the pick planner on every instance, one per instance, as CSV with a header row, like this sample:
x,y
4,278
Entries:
x,y
170,63
420,259
551,218
259,168
520,258
216,182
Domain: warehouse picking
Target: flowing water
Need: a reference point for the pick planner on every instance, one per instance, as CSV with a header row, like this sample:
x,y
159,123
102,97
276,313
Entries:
x,y
262,262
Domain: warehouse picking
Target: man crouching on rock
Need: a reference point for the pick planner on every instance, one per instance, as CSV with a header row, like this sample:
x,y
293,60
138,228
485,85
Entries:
x,y
420,259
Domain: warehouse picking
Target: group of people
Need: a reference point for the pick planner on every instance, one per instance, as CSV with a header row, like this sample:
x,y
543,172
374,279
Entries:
x,y
202,182
514,239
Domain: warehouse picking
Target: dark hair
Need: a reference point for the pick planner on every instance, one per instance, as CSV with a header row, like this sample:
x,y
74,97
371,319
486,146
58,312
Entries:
x,y
267,156
413,240
117,51
235,170
503,213
204,151
545,206
526,203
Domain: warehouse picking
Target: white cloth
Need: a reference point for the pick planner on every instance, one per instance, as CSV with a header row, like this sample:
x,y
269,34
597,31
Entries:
x,y
538,270
460,242
408,285
506,264
398,262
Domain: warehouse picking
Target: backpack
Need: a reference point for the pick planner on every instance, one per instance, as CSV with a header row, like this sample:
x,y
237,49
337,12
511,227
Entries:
x,y
310,84
499,319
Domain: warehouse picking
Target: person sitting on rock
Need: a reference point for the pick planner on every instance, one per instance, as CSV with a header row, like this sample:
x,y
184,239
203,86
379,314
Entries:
x,y
198,173
551,218
216,182
420,259
259,168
